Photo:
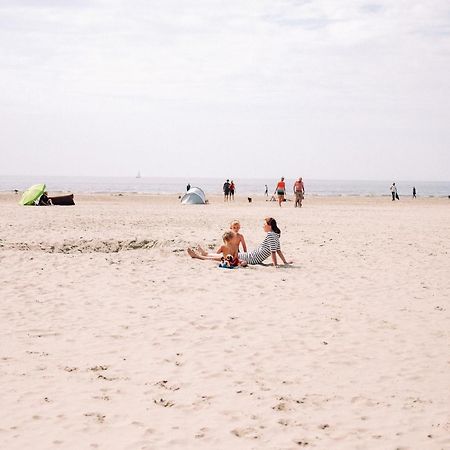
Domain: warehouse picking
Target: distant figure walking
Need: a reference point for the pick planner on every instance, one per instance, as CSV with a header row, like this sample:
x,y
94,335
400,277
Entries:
x,y
266,192
394,193
280,190
188,186
299,192
232,189
226,190
414,192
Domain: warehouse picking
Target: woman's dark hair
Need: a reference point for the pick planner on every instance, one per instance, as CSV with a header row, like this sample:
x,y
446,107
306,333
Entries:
x,y
273,224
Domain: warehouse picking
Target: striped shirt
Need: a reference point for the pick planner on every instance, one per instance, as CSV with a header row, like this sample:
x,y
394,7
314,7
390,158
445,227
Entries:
x,y
270,244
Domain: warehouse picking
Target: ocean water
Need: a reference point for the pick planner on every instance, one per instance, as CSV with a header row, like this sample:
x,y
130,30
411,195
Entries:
x,y
211,186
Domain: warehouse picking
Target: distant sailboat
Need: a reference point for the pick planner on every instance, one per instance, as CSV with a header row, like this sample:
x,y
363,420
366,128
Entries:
x,y
138,174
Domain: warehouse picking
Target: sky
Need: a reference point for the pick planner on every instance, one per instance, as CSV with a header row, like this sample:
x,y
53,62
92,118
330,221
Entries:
x,y
322,89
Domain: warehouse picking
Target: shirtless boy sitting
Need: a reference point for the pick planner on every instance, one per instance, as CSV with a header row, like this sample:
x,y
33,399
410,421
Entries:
x,y
235,226
230,247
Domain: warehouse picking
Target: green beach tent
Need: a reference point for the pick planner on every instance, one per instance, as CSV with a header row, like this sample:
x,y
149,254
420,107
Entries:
x,y
32,194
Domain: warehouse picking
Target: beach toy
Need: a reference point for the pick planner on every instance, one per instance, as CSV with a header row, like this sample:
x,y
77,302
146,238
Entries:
x,y
227,262
32,194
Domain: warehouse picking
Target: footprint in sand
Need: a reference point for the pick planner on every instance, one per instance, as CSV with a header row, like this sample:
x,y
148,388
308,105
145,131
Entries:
x,y
201,433
137,424
97,368
164,384
106,398
249,433
163,402
280,407
99,417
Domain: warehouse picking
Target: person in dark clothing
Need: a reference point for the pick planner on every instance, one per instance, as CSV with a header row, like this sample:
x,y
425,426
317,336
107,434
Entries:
x,y
44,200
188,186
226,190
414,192
394,193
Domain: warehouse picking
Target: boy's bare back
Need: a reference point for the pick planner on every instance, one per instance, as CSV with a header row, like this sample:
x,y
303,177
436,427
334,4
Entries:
x,y
230,248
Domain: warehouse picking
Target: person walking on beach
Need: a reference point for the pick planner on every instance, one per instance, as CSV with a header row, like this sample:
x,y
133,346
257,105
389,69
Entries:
x,y
280,190
266,192
414,192
226,190
232,189
394,193
299,192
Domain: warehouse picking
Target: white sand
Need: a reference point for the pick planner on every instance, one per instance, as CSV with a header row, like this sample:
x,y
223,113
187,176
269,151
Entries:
x,y
106,346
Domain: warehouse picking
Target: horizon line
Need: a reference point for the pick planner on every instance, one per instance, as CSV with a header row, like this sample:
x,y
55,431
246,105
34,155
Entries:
x,y
220,177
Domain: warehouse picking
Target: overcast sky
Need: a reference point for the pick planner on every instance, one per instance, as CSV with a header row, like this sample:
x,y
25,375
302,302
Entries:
x,y
248,88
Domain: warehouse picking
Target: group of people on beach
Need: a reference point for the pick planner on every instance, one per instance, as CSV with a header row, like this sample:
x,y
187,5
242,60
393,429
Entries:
x,y
229,254
298,189
280,191
228,190
394,192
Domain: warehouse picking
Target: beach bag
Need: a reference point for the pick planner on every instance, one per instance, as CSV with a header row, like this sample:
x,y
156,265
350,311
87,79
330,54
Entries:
x,y
63,200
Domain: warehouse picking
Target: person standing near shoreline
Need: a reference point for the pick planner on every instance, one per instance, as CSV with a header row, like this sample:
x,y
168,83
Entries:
x,y
280,190
414,192
232,189
299,192
266,192
394,193
226,190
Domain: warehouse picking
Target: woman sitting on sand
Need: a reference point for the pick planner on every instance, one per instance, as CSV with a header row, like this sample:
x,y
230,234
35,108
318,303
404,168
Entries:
x,y
269,247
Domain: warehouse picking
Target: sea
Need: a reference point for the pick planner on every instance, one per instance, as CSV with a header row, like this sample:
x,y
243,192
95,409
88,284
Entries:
x,y
244,186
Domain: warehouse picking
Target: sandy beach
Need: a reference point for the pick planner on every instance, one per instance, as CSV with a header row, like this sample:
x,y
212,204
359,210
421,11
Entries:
x,y
113,338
